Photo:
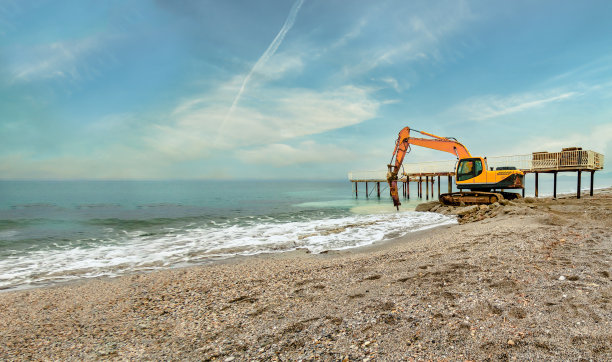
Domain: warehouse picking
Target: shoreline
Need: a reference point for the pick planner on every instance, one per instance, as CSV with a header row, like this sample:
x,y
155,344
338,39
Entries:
x,y
282,254
531,282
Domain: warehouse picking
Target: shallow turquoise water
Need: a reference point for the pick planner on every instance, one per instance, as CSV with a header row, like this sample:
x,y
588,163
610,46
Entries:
x,y
53,231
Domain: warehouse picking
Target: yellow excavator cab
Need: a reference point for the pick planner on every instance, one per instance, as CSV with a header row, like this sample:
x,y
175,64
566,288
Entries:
x,y
473,174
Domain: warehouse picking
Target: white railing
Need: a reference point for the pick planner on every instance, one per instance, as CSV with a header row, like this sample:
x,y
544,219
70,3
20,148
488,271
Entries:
x,y
531,162
367,175
430,167
568,159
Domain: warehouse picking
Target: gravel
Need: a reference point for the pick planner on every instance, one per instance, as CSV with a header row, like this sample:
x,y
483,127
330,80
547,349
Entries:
x,y
488,288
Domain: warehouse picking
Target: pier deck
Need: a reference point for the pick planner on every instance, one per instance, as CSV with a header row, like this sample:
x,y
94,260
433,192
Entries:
x,y
569,160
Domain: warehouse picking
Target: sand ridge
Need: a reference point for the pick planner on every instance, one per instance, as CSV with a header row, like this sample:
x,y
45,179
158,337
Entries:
x,y
533,281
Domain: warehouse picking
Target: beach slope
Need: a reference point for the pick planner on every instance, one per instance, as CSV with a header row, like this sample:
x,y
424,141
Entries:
x,y
528,280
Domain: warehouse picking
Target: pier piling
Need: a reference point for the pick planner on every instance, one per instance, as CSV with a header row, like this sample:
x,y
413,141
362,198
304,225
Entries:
x,y
579,180
432,187
408,188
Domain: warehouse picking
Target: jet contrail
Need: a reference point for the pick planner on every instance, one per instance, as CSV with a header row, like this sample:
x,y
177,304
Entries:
x,y
268,53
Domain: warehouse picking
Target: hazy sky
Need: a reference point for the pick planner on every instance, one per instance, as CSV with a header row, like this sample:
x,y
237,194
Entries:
x,y
283,89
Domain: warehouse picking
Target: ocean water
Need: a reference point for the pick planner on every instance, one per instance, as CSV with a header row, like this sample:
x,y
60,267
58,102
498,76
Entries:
x,y
57,231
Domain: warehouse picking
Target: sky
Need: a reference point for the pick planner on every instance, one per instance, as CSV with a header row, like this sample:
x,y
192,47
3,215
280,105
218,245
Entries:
x,y
282,89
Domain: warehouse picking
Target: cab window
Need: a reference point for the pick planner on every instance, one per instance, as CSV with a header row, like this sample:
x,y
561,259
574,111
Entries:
x,y
478,167
468,169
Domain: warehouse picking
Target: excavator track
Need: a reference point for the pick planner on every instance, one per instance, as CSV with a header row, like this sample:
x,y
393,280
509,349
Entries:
x,y
476,197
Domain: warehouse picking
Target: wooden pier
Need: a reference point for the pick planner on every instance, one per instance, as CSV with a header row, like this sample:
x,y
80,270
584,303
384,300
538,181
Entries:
x,y
428,173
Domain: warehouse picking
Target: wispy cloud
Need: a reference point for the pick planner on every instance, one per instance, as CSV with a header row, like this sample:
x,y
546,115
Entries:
x,y
65,59
419,36
281,154
493,106
597,138
391,82
350,35
592,71
272,48
278,114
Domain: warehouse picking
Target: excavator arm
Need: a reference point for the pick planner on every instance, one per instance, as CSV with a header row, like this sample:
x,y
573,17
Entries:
x,y
402,146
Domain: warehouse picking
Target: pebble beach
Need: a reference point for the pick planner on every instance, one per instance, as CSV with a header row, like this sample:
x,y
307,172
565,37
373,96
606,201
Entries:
x,y
529,280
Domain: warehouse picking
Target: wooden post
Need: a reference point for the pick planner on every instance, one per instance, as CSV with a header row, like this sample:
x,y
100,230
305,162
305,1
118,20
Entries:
x,y
426,187
378,189
524,184
592,175
356,194
579,179
438,185
555,185
408,187
450,184
421,187
367,193
536,184
432,187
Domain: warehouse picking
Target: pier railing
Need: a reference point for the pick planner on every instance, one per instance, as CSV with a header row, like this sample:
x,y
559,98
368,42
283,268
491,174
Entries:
x,y
568,159
535,162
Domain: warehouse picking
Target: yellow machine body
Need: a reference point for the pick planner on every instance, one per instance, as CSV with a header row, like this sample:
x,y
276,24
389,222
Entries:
x,y
474,174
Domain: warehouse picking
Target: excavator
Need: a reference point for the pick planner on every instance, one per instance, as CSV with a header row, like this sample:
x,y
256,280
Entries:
x,y
471,173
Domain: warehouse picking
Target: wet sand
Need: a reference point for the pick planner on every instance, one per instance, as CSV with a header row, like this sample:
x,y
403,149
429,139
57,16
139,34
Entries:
x,y
527,280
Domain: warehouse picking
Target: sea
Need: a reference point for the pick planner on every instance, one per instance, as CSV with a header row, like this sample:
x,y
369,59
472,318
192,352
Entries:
x,y
59,231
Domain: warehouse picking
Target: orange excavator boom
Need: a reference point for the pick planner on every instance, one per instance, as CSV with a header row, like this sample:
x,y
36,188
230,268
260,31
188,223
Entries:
x,y
402,146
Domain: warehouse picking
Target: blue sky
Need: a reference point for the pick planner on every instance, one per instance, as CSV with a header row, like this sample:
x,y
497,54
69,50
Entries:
x,y
293,89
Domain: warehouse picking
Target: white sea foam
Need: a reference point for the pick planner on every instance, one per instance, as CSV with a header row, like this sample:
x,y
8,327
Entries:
x,y
137,251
